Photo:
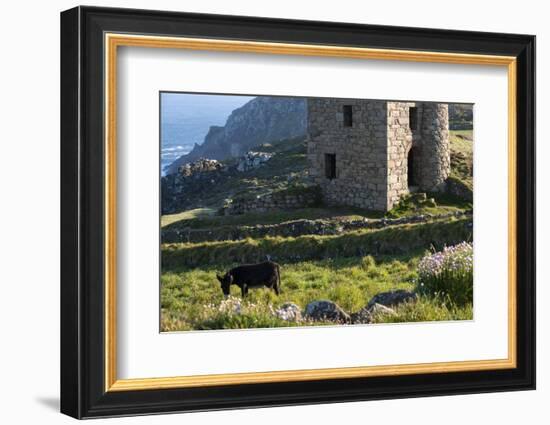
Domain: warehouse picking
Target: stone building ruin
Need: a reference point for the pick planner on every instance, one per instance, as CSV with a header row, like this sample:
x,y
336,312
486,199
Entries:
x,y
369,153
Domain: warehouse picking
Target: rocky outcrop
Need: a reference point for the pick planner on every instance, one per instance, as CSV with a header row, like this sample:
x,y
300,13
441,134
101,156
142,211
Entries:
x,y
252,160
200,166
325,310
264,119
185,188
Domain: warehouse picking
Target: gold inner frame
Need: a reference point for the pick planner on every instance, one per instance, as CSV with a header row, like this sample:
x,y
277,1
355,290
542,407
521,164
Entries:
x,y
113,41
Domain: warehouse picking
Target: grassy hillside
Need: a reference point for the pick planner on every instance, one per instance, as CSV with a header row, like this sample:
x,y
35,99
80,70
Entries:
x,y
338,268
462,155
396,240
348,268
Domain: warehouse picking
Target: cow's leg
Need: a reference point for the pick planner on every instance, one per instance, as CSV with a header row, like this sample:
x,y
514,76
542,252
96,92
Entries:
x,y
244,290
277,285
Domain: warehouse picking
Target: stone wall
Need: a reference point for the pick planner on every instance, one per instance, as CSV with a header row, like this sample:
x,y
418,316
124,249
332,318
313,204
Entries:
x,y
360,151
435,150
281,200
400,141
294,228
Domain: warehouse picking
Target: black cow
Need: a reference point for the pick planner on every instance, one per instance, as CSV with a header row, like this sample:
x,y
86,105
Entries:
x,y
252,276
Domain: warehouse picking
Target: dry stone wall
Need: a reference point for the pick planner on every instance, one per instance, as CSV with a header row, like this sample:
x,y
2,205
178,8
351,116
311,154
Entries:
x,y
294,228
282,200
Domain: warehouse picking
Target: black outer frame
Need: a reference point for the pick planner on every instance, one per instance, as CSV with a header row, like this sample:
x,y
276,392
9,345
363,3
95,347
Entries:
x,y
82,219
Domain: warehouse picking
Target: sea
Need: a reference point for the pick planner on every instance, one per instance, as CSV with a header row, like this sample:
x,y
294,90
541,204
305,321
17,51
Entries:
x,y
185,119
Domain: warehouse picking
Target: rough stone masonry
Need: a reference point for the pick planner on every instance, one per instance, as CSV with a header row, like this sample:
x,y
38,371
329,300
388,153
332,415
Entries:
x,y
369,153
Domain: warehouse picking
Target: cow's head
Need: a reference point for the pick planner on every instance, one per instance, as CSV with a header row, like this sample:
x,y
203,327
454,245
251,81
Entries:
x,y
225,281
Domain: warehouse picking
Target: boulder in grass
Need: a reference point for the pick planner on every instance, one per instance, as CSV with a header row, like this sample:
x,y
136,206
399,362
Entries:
x,y
370,314
362,317
325,310
381,310
392,298
289,312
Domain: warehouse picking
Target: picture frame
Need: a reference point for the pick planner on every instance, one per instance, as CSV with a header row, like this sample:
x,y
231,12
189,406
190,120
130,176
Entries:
x,y
90,39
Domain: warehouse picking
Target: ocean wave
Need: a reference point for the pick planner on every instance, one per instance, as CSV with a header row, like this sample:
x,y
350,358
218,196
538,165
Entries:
x,y
173,154
174,148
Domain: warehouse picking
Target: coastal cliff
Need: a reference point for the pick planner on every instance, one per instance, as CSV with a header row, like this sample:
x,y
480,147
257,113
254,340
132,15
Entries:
x,y
264,119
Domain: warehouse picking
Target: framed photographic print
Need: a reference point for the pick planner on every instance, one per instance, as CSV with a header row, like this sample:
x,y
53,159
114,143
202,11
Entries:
x,y
261,212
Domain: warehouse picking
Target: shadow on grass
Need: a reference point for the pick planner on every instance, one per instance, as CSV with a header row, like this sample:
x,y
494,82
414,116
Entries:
x,y
338,263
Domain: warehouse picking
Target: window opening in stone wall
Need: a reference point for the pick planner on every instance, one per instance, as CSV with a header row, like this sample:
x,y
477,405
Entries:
x,y
348,116
413,118
330,165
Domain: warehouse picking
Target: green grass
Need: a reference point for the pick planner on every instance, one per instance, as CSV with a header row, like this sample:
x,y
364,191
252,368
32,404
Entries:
x,y
186,216
204,221
462,155
444,203
461,140
395,240
347,268
427,309
345,281
190,298
338,268
288,163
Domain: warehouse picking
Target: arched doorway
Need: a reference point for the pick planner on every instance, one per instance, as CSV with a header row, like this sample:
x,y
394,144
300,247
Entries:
x,y
411,171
